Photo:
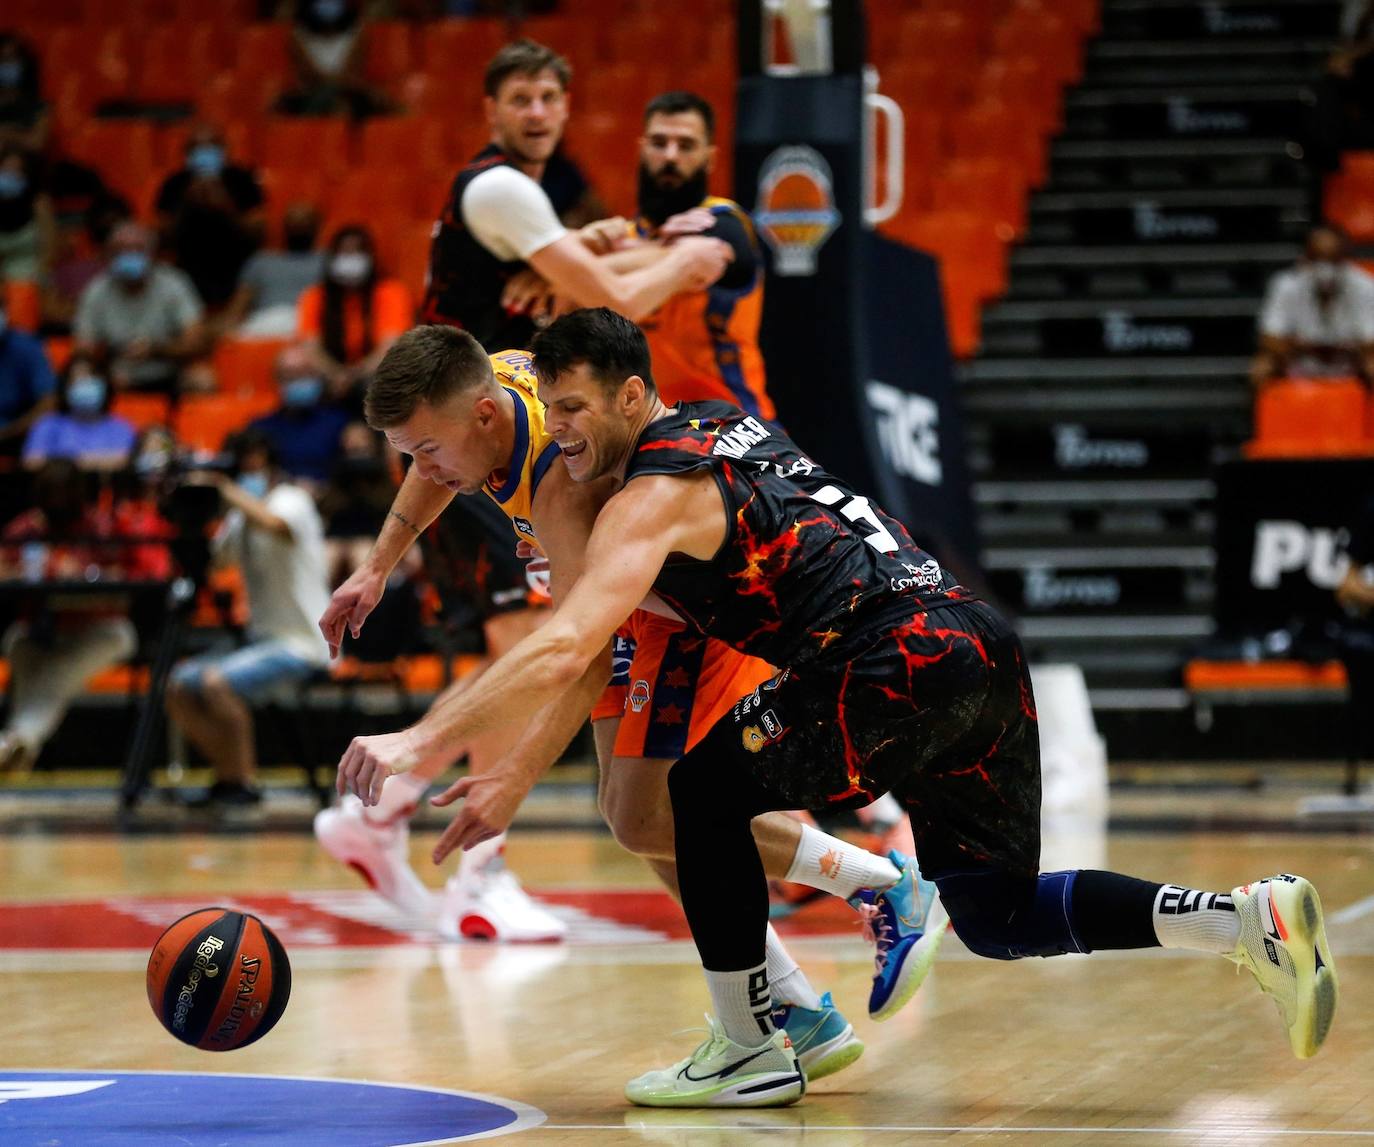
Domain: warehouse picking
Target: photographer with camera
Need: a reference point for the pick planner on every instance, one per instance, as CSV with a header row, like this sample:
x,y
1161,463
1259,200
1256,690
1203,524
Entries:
x,y
274,533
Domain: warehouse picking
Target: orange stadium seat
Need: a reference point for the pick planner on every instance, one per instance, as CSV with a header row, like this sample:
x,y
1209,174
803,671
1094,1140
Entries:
x,y
1305,418
407,251
407,143
949,37
574,37
23,304
369,195
1046,36
233,98
203,422
992,188
1348,200
263,57
318,143
1003,131
121,150
143,410
247,366
461,47
651,40
1021,81
966,244
388,51
59,351
177,59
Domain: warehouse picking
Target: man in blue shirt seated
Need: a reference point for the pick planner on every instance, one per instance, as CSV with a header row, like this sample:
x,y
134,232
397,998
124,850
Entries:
x,y
306,429
26,383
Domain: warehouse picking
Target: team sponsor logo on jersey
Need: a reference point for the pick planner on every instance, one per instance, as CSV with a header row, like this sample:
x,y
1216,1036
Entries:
x,y
524,525
771,722
796,211
927,575
639,695
753,738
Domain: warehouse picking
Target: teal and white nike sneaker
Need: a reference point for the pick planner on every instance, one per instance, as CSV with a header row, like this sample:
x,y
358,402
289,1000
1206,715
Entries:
x,y
906,924
1283,943
823,1039
722,1073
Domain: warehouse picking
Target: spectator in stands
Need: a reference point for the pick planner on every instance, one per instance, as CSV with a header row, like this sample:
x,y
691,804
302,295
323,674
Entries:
x,y
26,218
306,428
1342,113
274,533
142,317
327,49
26,383
272,282
82,428
350,320
77,259
53,651
1318,317
23,114
210,215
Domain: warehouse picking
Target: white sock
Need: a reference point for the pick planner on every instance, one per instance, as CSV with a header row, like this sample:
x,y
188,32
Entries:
x,y
789,982
1202,921
400,796
483,856
828,863
743,1004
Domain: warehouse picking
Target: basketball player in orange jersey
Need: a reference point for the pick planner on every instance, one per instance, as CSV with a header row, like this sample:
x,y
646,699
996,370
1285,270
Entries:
x,y
505,214
440,399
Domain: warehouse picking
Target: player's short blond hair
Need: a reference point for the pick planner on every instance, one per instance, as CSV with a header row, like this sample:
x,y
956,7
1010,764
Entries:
x,y
525,58
429,364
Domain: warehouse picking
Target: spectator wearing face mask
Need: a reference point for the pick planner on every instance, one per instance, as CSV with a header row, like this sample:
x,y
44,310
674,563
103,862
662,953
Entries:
x,y
26,383
210,215
1318,317
141,317
82,428
350,320
307,428
23,114
26,218
272,282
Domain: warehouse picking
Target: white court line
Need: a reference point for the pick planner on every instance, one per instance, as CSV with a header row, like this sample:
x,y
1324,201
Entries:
x,y
1354,911
1210,1131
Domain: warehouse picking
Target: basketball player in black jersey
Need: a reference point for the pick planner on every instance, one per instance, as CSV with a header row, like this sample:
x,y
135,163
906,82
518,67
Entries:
x,y
895,678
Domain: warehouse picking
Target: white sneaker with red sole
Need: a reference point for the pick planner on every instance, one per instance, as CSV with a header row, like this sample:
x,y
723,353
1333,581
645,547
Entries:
x,y
489,904
379,853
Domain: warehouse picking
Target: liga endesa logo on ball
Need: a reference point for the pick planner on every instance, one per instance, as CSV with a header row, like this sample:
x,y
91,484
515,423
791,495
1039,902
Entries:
x,y
796,211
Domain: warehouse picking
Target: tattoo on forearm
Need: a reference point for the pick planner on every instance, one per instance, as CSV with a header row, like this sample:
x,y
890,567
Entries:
x,y
411,526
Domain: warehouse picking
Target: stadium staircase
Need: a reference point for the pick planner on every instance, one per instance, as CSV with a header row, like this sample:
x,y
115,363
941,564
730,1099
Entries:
x,y
1112,374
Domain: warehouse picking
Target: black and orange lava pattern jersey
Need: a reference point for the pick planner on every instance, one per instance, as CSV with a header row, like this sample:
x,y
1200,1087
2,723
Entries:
x,y
534,450
811,572
705,344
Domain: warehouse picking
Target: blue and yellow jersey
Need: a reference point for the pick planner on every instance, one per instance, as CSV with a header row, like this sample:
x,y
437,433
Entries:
x,y
705,344
534,450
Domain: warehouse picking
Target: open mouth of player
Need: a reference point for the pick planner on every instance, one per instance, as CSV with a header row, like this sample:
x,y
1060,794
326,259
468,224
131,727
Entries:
x,y
573,449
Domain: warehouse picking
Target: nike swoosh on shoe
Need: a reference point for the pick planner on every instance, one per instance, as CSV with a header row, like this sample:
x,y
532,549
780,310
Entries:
x,y
734,1067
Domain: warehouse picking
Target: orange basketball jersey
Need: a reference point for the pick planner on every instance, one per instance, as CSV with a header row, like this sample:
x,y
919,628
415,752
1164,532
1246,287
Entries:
x,y
705,344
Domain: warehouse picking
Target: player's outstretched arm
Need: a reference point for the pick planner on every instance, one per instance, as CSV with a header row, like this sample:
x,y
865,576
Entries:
x,y
690,264
417,503
632,538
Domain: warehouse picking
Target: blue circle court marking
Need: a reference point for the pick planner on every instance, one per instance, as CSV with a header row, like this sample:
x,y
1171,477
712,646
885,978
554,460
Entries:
x,y
137,1108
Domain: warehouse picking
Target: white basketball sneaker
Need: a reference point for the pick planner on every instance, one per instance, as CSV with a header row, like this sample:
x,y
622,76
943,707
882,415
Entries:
x,y
722,1073
489,904
379,853
1283,942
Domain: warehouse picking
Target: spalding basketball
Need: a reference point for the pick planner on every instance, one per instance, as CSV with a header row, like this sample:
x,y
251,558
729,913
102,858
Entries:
x,y
218,979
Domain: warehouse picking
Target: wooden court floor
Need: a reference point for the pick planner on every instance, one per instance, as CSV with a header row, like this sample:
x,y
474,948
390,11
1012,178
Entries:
x,y
1112,1049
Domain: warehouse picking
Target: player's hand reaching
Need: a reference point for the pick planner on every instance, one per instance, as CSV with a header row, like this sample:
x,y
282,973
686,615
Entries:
x,y
704,260
690,222
603,236
490,802
368,761
527,293
350,605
